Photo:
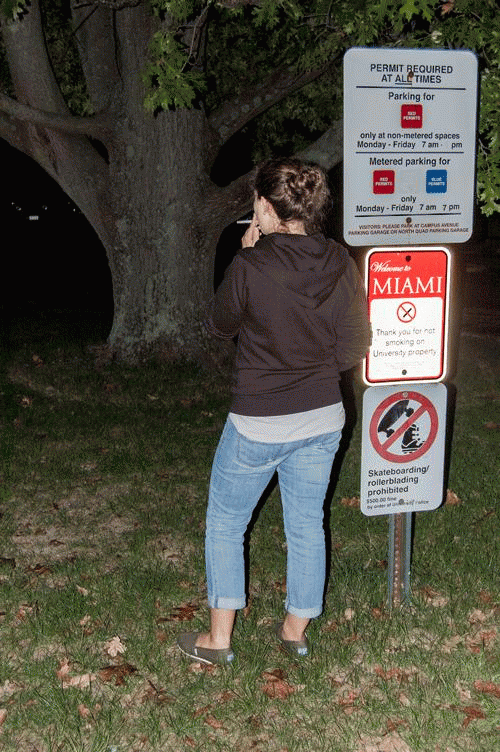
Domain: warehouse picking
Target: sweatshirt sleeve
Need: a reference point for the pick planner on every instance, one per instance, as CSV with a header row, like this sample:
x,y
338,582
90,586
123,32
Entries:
x,y
352,325
227,307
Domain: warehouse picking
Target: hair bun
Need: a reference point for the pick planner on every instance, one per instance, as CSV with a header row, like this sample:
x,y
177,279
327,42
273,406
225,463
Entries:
x,y
297,191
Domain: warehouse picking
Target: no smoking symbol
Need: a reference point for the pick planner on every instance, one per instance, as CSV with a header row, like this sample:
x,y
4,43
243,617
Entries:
x,y
395,423
406,312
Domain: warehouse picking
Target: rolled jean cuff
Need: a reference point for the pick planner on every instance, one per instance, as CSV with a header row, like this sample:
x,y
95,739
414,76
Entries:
x,y
303,613
234,604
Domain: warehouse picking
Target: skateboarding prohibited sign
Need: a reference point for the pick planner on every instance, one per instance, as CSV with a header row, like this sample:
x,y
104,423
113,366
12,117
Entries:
x,y
403,427
402,453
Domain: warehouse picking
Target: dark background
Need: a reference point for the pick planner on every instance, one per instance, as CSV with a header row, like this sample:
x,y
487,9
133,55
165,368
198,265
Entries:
x,y
56,275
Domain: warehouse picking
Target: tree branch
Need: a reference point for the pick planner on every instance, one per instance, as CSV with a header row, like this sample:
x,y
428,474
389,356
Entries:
x,y
327,151
113,4
97,127
233,115
236,198
236,3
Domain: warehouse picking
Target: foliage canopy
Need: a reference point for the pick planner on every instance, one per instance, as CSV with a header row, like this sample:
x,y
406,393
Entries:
x,y
206,51
307,35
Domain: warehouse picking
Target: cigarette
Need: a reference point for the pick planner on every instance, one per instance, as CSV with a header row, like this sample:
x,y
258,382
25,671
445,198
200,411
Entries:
x,y
243,221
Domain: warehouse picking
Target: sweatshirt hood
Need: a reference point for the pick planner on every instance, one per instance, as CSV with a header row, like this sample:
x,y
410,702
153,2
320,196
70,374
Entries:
x,y
308,266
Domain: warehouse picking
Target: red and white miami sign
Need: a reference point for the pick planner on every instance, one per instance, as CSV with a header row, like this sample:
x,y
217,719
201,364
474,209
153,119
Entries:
x,y
408,302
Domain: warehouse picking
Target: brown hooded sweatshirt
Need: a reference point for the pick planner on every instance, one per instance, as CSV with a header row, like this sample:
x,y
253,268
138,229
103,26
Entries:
x,y
298,307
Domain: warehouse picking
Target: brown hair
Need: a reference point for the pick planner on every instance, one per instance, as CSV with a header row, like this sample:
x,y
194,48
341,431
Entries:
x,y
296,191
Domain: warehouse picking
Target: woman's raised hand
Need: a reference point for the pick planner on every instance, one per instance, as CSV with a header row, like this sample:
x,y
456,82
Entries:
x,y
252,235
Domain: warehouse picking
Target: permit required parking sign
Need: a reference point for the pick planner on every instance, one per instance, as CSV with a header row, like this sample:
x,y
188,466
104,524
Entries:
x,y
403,447
409,145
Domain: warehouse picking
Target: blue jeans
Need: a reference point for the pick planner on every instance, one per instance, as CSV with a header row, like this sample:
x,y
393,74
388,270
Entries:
x,y
241,471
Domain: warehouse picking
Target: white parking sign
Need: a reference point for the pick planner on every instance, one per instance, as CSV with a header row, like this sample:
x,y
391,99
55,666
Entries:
x,y
409,145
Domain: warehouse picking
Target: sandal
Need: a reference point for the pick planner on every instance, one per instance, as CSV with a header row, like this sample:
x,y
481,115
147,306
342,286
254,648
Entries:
x,y
299,649
187,644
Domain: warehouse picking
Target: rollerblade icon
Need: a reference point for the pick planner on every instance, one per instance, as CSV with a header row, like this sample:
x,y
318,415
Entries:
x,y
411,440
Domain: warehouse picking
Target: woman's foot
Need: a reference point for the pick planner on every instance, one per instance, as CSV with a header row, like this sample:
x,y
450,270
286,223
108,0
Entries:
x,y
294,627
298,648
194,645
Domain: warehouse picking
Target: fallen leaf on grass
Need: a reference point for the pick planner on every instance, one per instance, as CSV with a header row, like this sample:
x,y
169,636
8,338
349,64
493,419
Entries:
x,y
394,725
481,640
452,644
114,647
118,673
491,425
274,675
201,668
478,616
389,743
471,712
7,689
23,612
184,612
276,686
201,711
487,688
213,722
433,597
486,597
83,711
348,700
279,689
400,674
353,502
351,639
331,625
39,569
452,500
81,681
157,694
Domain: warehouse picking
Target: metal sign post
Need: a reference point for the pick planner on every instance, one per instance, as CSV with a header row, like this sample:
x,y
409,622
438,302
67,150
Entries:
x,y
400,533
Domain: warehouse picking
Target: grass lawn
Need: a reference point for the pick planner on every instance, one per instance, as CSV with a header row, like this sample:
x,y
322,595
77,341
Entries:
x,y
103,481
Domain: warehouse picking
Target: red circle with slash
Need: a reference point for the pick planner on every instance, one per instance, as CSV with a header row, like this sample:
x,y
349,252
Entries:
x,y
383,447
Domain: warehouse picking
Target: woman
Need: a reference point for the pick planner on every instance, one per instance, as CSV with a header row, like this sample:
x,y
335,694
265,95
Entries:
x,y
296,302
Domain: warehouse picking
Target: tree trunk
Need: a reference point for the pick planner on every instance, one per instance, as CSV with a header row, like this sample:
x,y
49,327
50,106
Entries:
x,y
145,188
162,258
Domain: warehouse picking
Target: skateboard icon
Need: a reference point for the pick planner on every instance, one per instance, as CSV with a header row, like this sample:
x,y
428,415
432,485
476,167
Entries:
x,y
411,440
